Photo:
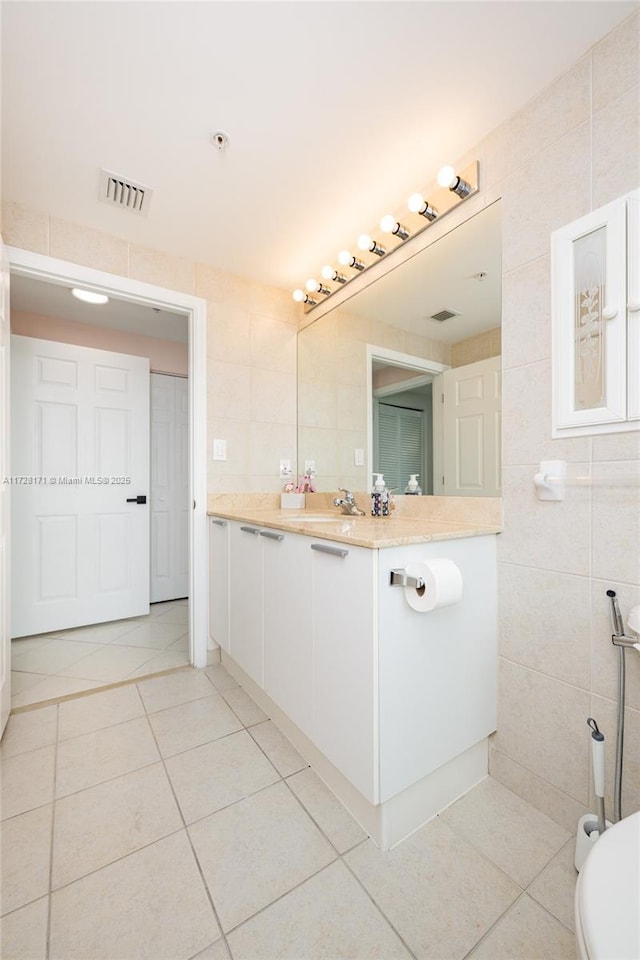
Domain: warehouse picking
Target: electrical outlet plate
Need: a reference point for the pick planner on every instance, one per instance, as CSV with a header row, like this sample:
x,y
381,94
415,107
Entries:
x,y
309,468
285,469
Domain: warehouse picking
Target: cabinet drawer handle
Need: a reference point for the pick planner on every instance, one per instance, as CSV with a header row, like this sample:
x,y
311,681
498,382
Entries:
x,y
219,523
271,535
334,551
609,313
253,530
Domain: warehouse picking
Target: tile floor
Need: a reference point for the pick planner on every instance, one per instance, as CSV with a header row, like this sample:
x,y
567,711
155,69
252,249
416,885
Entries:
x,y
71,661
169,819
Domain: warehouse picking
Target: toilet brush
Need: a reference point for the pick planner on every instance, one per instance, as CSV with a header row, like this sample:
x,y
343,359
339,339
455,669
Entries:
x,y
597,752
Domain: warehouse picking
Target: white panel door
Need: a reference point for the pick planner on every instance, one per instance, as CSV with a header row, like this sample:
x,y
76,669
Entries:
x,y
169,487
472,429
5,494
80,458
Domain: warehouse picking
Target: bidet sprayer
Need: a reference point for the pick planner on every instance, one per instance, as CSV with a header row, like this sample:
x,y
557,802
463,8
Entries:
x,y
616,617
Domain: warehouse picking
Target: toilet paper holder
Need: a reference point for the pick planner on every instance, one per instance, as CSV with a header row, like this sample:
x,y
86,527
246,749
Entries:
x,y
400,578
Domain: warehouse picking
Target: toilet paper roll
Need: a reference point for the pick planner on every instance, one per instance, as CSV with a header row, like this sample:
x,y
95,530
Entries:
x,y
442,584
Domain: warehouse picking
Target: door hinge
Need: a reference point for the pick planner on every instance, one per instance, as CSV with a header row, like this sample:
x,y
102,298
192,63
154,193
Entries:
x,y
443,481
442,398
194,504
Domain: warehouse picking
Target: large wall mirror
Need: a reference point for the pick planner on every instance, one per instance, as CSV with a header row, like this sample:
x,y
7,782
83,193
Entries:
x,y
404,377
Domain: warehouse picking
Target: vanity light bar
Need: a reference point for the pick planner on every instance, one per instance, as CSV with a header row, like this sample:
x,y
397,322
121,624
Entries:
x,y
454,189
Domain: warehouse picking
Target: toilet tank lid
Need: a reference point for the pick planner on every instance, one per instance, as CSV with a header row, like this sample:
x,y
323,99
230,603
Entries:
x,y
608,893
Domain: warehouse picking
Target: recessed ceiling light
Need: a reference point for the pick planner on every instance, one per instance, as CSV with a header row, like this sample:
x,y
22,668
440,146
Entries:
x,y
88,296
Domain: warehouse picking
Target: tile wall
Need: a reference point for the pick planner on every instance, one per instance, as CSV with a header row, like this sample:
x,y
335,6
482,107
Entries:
x,y
570,150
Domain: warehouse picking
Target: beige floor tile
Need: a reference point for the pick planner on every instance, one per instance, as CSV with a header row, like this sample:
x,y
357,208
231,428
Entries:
x,y
324,807
191,724
216,951
160,693
98,710
220,678
23,934
328,916
182,643
280,751
439,893
101,632
22,681
509,831
103,754
111,820
27,781
254,851
555,887
151,905
153,633
26,855
29,731
246,709
165,606
178,615
109,664
218,773
527,932
30,643
51,688
167,660
54,657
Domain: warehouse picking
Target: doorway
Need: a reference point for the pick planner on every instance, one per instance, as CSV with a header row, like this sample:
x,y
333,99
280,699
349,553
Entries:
x,y
188,617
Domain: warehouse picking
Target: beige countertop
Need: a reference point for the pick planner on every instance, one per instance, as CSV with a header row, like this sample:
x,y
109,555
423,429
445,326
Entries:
x,y
372,532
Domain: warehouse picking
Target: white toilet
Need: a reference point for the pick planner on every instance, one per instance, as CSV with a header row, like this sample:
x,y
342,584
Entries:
x,y
607,901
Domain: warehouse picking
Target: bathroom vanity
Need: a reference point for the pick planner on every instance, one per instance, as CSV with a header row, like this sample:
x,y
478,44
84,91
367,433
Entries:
x,y
391,706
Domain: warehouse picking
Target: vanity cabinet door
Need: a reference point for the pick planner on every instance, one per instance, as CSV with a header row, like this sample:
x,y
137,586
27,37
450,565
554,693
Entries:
x,y
288,652
245,598
219,581
343,601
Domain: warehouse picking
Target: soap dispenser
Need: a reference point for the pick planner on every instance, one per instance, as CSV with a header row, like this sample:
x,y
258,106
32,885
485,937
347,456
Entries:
x,y
379,497
413,487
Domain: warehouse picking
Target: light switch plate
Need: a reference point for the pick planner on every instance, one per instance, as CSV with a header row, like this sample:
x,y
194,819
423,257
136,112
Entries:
x,y
219,449
358,457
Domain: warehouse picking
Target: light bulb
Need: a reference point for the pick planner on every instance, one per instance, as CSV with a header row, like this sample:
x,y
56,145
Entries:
x,y
347,259
299,296
389,224
365,242
314,286
417,204
330,273
446,176
88,296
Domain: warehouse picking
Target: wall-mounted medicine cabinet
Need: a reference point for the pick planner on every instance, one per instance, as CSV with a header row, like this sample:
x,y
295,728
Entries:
x,y
595,289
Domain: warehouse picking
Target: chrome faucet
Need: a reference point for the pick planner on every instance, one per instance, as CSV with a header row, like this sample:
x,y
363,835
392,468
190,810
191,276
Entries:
x,y
348,504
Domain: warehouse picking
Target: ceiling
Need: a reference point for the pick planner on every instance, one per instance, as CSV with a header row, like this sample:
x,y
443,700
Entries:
x,y
336,111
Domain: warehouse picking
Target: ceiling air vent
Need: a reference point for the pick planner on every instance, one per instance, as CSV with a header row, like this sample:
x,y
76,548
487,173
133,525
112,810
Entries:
x,y
443,315
124,193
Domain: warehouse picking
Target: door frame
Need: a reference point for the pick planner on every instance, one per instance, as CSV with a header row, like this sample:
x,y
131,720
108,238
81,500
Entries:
x,y
51,270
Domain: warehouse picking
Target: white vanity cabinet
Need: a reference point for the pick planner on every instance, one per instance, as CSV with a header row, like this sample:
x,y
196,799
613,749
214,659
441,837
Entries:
x,y
219,581
245,598
596,321
343,613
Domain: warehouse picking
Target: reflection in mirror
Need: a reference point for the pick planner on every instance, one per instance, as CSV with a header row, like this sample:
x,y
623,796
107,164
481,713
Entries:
x,y
373,373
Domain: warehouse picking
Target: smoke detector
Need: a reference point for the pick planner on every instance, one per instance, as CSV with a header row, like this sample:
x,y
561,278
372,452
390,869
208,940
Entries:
x,y
443,315
126,194
220,139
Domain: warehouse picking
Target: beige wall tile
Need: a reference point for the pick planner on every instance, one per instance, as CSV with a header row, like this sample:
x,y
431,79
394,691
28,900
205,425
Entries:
x,y
268,444
25,228
163,269
236,433
546,193
542,795
616,521
272,343
418,346
323,447
559,109
228,333
228,388
616,62
616,171
91,248
384,335
545,622
480,347
273,302
273,396
526,314
221,287
540,725
318,404
545,534
616,446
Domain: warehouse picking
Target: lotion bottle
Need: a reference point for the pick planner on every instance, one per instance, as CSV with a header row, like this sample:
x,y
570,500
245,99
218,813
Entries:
x,y
378,496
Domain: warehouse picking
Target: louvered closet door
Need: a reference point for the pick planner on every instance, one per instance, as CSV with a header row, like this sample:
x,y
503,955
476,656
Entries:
x,y
80,438
169,487
400,444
